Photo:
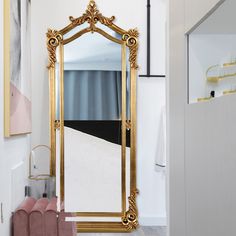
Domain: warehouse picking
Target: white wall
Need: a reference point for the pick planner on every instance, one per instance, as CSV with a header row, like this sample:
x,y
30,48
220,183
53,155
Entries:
x,y
151,202
210,167
201,156
151,94
13,151
176,101
196,10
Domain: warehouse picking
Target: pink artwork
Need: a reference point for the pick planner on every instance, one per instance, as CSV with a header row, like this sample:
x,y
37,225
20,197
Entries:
x,y
20,112
18,105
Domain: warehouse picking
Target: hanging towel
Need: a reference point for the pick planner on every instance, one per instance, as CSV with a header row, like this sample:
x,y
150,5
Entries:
x,y
160,160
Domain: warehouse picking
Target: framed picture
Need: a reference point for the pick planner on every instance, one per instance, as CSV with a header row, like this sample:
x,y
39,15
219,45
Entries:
x,y
17,69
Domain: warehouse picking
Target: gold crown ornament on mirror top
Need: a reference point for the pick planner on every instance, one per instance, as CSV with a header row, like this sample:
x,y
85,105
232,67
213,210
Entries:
x,y
92,16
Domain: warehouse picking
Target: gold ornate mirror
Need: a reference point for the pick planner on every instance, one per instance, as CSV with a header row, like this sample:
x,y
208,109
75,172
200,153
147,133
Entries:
x,y
92,75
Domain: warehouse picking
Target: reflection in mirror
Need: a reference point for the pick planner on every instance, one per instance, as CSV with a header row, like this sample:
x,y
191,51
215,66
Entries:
x,y
212,55
92,117
92,79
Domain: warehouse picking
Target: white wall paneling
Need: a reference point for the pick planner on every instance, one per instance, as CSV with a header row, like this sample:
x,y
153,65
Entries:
x,y
201,153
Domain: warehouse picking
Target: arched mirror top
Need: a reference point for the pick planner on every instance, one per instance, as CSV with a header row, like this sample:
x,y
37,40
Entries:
x,y
93,92
91,18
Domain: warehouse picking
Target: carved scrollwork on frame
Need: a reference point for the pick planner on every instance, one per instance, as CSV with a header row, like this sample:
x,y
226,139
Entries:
x,y
90,22
131,38
54,38
57,125
130,219
92,16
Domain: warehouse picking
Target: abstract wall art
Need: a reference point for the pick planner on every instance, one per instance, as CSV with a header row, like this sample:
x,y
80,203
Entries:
x,y
17,69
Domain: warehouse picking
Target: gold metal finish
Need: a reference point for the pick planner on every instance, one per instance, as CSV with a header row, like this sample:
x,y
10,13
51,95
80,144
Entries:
x,y
216,79
133,92
130,219
40,176
57,125
57,39
123,146
131,41
99,214
227,92
62,179
54,38
128,124
229,64
204,99
92,16
52,105
107,227
87,30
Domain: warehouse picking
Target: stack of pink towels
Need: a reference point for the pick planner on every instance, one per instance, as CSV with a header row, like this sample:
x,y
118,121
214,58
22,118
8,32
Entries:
x,y
40,218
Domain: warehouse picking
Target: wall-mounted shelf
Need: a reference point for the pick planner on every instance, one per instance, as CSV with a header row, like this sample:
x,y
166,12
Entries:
x,y
212,55
204,99
229,64
219,78
227,92
221,68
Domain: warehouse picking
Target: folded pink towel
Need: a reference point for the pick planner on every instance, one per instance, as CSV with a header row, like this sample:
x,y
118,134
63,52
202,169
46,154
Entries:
x,y
21,219
66,228
50,218
36,218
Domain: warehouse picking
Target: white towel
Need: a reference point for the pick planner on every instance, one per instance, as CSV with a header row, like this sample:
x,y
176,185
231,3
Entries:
x,y
160,161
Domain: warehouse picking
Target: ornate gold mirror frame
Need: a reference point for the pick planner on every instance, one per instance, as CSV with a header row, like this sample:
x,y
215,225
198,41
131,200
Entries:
x,y
56,40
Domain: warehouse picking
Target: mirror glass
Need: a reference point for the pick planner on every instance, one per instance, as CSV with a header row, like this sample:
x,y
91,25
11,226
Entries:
x,y
212,55
92,125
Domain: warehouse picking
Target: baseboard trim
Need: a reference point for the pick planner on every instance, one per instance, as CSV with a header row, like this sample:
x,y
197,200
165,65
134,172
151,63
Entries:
x,y
152,221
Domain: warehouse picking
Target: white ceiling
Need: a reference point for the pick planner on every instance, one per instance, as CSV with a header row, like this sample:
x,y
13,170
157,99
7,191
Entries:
x,y
222,21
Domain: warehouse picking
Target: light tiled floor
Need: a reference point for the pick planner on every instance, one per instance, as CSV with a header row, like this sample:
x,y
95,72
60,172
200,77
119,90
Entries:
x,y
142,231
